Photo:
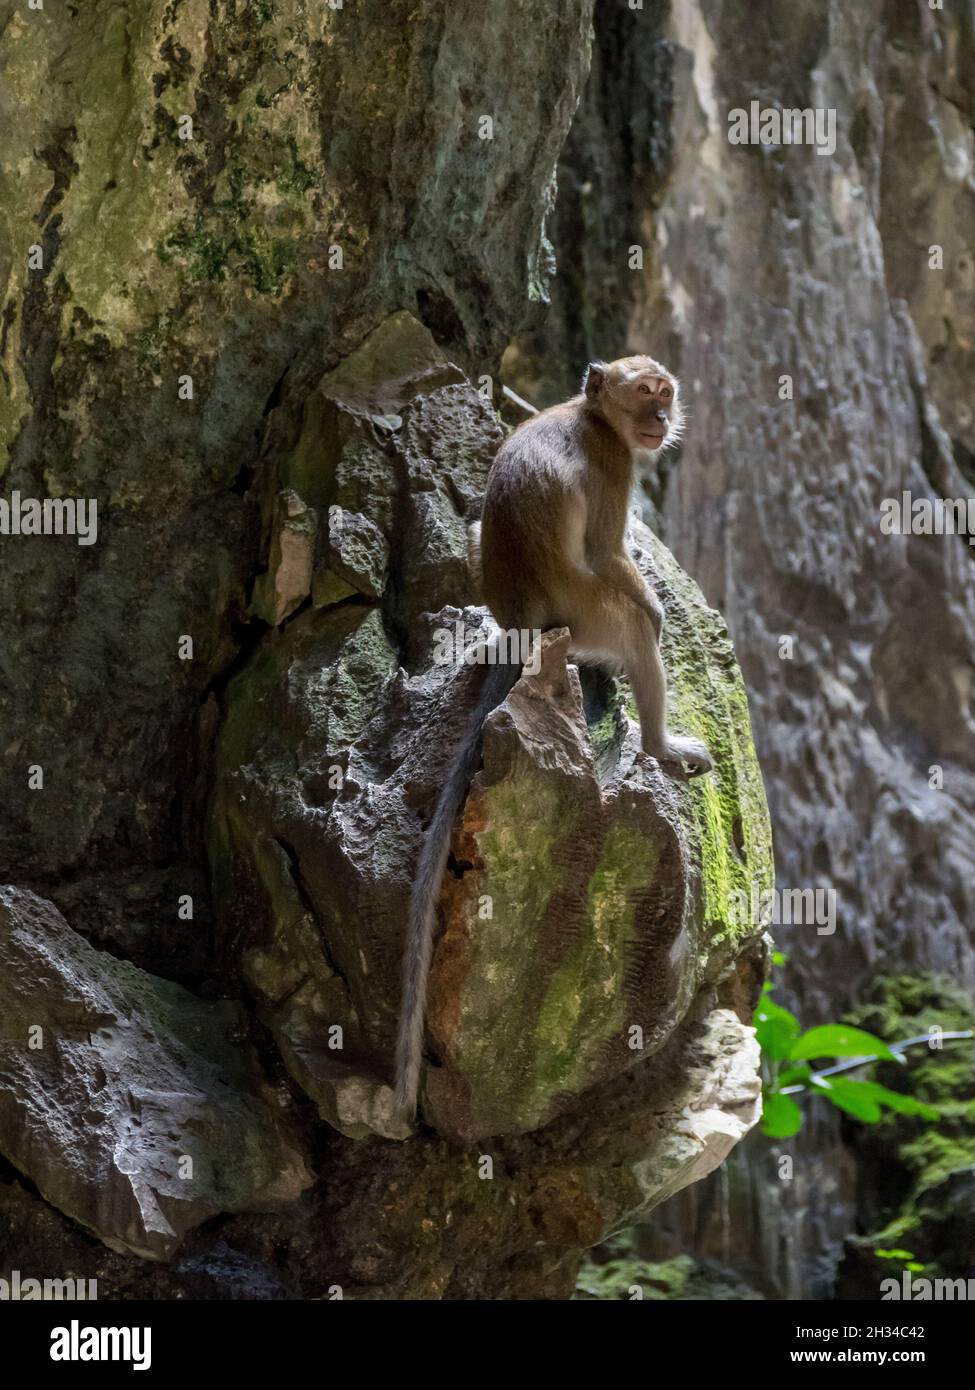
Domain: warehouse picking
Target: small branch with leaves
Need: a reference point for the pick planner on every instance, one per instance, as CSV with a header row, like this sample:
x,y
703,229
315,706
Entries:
x,y
788,1054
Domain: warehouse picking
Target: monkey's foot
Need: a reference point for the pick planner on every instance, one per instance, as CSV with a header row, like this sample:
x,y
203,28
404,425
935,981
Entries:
x,y
687,756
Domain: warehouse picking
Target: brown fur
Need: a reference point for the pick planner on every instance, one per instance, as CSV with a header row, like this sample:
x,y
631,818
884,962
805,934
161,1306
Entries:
x,y
552,541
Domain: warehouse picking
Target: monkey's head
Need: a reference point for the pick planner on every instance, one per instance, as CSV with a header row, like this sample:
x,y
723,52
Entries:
x,y
638,398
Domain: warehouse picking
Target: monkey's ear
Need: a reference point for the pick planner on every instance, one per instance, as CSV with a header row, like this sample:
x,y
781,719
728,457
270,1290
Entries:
x,y
593,378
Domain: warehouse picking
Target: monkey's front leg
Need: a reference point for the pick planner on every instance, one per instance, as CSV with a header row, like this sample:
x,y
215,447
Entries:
x,y
619,570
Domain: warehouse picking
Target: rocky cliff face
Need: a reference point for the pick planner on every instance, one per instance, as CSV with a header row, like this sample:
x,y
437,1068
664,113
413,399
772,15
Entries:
x,y
252,258
181,288
821,312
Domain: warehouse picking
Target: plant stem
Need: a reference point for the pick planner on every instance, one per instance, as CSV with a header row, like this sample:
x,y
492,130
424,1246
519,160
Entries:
x,y
852,1062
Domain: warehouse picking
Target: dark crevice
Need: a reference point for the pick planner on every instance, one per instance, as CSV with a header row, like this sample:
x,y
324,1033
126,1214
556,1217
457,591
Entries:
x,y
964,460
247,637
437,313
277,392
934,466
308,903
459,867
244,480
300,983
393,624
295,613
58,158
356,600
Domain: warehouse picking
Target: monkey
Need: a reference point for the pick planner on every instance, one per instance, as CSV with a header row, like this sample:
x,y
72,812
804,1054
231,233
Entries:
x,y
552,553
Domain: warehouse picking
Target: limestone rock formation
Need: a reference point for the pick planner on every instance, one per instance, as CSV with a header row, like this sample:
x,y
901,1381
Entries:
x,y
258,265
137,1109
822,267
590,897
212,205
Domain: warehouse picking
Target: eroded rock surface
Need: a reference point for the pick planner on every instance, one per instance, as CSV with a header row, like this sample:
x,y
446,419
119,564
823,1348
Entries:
x,y
136,1108
335,174
248,656
589,900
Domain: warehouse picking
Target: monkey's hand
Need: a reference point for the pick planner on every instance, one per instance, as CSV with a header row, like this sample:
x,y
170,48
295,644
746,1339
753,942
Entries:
x,y
689,755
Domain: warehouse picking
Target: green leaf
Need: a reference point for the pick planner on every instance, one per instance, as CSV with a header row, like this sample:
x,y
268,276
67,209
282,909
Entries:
x,y
837,1040
852,1096
775,1028
792,1076
896,1100
894,1254
779,958
781,1117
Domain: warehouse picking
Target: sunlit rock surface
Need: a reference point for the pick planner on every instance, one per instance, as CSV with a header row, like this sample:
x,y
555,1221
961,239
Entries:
x,y
589,900
820,311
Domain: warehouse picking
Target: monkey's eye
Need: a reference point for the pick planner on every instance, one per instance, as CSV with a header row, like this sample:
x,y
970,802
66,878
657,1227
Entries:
x,y
665,393
644,388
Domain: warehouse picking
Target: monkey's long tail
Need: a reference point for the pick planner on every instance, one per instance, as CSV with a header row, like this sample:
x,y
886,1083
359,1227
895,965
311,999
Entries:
x,y
418,949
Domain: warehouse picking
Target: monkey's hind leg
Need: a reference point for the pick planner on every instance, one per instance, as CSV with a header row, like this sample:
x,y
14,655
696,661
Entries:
x,y
606,624
645,672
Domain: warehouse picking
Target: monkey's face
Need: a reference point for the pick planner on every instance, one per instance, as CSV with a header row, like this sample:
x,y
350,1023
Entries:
x,y
638,398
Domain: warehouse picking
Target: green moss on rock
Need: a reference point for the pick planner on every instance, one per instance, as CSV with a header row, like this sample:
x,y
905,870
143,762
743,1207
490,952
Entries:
x,y
917,1177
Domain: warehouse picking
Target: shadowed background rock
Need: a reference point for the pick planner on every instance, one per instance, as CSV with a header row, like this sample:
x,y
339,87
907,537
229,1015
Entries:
x,y
137,1109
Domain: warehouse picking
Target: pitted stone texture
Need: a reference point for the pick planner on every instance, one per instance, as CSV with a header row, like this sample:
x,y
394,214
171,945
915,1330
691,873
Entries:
x,y
589,899
134,1107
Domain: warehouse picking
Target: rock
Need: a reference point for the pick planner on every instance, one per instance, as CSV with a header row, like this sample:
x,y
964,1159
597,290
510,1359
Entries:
x,y
403,497
287,582
358,554
721,1103
298,300
335,176
541,1200
774,506
590,900
134,1107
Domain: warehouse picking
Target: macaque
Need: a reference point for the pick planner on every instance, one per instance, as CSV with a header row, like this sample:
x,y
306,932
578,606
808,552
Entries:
x,y
553,554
